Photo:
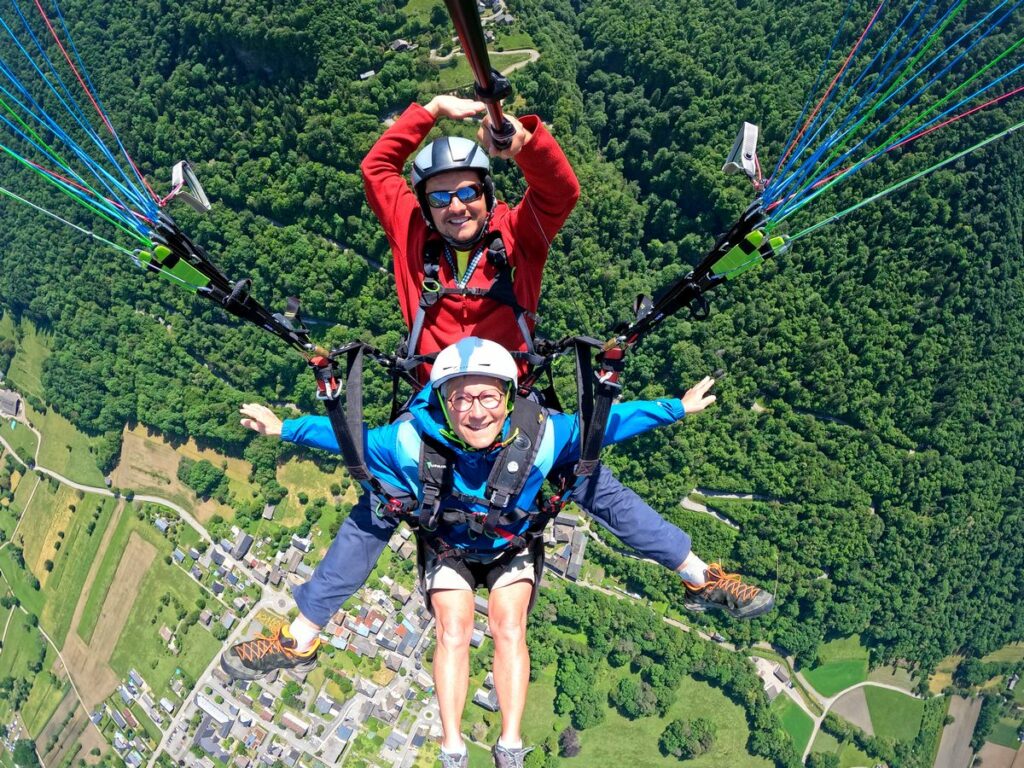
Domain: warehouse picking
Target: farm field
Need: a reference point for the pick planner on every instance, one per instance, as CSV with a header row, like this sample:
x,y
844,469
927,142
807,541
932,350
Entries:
x,y
849,755
139,645
893,714
796,722
844,662
22,440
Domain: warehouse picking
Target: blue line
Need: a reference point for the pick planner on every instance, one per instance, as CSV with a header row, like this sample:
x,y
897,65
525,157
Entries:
x,y
101,174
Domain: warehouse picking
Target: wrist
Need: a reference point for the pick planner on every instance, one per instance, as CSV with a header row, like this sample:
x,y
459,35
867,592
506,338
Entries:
x,y
433,108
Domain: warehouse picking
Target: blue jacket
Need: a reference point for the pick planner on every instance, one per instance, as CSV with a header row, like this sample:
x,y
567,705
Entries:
x,y
392,454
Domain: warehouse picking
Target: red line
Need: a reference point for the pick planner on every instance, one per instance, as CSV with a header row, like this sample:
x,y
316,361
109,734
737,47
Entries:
x,y
88,93
912,137
831,85
76,185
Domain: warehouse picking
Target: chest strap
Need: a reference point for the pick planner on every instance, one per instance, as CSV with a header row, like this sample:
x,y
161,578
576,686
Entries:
x,y
505,482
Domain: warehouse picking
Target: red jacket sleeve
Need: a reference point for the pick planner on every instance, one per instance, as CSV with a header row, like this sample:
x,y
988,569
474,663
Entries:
x,y
395,204
551,193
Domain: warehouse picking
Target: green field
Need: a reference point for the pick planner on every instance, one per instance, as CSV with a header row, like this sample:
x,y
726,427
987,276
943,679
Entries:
x,y
461,76
602,744
21,647
26,372
1013,652
849,755
795,721
844,662
20,582
105,576
64,585
65,449
140,645
893,714
1005,733
47,694
511,41
22,440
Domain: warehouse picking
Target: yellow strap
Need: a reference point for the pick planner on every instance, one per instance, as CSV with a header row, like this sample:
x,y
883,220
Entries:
x,y
462,262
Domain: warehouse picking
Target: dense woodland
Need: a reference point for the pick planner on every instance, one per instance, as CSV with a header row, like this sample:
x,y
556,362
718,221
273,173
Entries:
x,y
885,351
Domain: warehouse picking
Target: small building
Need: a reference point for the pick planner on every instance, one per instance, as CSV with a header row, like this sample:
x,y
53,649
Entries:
x,y
227,620
242,545
488,699
205,617
136,679
179,556
294,724
268,511
367,74
1012,682
302,544
161,525
782,676
400,45
167,705
293,559
10,404
166,635
119,721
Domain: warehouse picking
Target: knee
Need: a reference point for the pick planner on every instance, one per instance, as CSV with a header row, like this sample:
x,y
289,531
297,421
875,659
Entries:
x,y
508,631
454,632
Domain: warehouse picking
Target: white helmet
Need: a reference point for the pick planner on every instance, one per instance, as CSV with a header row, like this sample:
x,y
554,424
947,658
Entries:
x,y
473,356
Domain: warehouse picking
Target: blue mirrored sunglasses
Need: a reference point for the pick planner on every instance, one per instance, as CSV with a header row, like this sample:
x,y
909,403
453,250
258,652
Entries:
x,y
466,195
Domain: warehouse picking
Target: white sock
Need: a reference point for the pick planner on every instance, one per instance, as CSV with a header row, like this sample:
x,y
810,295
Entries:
x,y
460,750
517,744
304,633
692,570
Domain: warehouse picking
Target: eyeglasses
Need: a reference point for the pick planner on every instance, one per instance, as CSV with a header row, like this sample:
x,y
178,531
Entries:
x,y
488,400
466,195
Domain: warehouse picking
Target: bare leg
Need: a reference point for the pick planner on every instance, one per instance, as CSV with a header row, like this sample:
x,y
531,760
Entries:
x,y
507,610
453,611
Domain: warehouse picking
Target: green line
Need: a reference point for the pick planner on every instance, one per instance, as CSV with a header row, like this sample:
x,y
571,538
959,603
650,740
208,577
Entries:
x,y
84,231
850,132
56,155
902,132
901,184
81,201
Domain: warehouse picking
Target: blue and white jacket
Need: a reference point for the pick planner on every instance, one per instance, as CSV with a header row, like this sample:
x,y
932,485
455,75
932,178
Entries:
x,y
392,455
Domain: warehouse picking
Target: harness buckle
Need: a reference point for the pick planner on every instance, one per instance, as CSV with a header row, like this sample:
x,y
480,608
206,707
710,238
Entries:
x,y
500,499
431,292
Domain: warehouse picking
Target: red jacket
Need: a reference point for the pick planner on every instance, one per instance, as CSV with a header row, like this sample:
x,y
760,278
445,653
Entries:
x,y
526,229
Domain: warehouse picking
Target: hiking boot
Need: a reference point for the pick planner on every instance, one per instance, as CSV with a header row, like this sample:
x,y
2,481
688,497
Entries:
x,y
727,592
453,761
509,757
262,655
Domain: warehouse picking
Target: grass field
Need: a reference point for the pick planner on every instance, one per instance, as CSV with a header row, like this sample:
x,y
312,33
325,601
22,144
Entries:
x,y
795,721
461,75
844,663
105,575
47,694
64,585
1013,652
893,714
49,513
897,676
21,647
849,755
304,476
1005,733
602,744
26,371
19,581
943,676
22,440
65,449
140,645
511,41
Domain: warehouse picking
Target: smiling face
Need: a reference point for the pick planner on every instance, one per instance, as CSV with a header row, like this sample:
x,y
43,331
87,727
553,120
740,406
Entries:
x,y
459,222
486,408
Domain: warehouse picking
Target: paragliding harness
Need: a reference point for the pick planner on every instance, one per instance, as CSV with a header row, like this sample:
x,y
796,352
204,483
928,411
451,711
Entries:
x,y
504,485
501,290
